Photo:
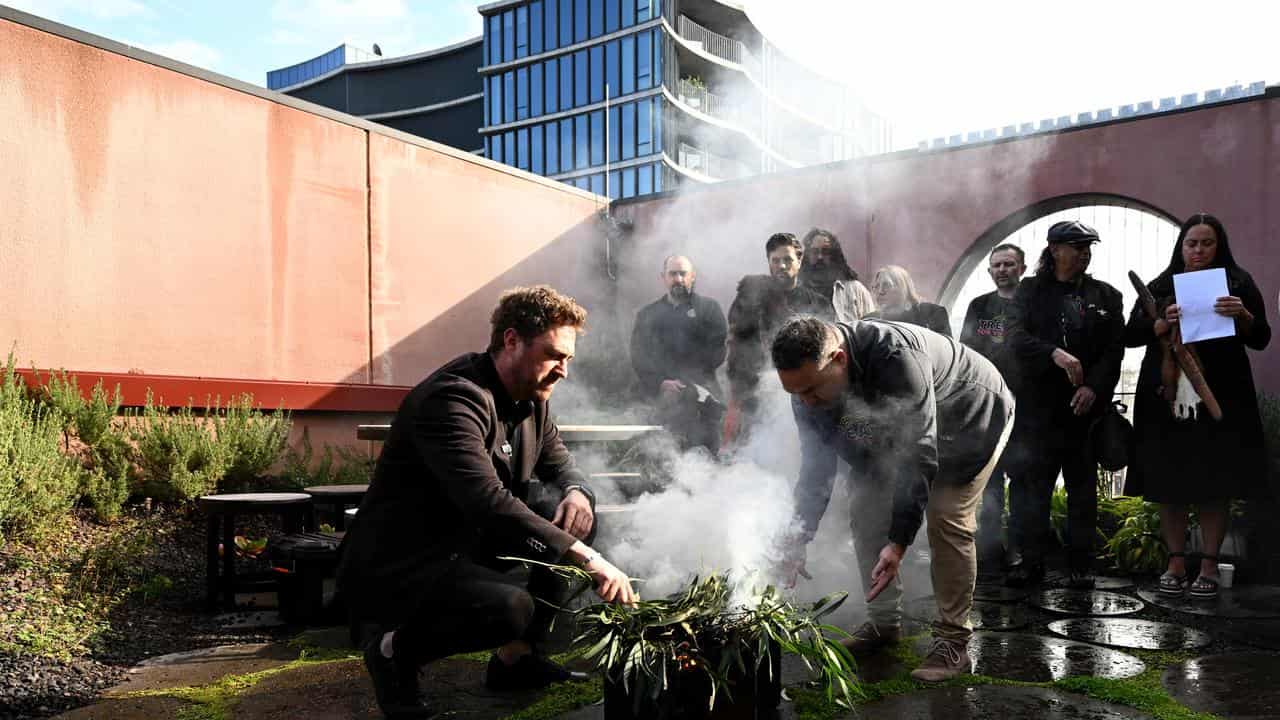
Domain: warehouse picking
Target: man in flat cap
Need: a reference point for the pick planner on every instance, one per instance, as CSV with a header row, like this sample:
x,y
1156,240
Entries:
x,y
1065,329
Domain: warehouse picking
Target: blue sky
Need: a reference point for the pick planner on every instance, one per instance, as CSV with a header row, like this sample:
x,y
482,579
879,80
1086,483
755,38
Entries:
x,y
932,67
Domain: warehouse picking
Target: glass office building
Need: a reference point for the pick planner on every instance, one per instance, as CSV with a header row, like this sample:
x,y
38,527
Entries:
x,y
630,97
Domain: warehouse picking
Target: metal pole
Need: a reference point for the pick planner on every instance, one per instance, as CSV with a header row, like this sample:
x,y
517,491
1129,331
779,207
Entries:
x,y
608,197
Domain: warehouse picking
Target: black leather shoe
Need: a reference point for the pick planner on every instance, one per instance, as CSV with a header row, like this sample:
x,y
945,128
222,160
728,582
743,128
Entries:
x,y
395,686
530,672
1026,574
1081,580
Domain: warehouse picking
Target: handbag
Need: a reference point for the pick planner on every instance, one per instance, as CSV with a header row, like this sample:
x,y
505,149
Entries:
x,y
1111,438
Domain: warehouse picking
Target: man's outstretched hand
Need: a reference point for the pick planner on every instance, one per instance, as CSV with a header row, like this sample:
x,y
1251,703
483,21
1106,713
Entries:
x,y
886,569
790,564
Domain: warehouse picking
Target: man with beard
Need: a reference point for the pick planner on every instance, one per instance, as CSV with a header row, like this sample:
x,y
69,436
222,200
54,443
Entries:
x,y
825,271
1067,331
763,303
452,493
676,345
921,420
984,331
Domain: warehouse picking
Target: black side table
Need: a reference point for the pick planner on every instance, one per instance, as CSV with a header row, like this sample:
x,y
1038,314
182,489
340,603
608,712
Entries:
x,y
221,510
338,497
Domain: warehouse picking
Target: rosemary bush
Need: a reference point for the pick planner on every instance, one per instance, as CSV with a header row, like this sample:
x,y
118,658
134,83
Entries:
x,y
332,466
254,440
38,483
181,459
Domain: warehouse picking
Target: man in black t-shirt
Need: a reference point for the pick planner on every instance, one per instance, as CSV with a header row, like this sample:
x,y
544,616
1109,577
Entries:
x,y
984,331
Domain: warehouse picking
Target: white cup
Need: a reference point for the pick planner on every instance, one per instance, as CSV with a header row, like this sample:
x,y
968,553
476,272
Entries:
x,y
1226,574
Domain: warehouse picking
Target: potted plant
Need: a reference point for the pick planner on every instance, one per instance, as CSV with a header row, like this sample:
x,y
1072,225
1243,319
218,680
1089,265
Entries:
x,y
712,651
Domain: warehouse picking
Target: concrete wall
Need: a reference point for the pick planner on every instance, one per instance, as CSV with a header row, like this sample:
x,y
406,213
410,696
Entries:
x,y
937,213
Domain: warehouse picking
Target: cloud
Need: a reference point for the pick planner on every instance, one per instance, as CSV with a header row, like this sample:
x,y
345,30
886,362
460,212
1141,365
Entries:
x,y
60,10
399,27
187,51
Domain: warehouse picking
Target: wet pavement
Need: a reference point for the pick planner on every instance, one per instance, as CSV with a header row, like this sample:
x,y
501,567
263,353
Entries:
x,y
1130,633
999,593
992,701
1263,634
984,615
1036,658
1246,601
1237,686
1085,602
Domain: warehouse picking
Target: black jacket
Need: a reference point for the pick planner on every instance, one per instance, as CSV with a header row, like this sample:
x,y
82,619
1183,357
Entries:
x,y
685,342
921,408
758,310
450,482
985,329
927,315
1085,318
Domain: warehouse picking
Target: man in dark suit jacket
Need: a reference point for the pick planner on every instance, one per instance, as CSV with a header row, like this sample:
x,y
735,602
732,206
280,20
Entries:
x,y
452,493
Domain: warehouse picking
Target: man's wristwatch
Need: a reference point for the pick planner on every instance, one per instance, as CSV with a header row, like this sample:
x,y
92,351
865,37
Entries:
x,y
591,497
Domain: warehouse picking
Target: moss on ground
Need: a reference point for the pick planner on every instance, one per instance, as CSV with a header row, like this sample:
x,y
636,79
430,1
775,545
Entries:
x,y
560,699
1143,692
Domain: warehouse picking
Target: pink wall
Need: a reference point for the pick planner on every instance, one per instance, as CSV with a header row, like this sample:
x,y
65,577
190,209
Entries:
x,y
927,210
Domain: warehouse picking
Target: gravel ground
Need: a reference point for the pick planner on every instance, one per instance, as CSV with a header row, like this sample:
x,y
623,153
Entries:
x,y
171,619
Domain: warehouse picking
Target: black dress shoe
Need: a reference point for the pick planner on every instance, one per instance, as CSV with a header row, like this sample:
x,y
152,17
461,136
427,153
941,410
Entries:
x,y
1025,574
395,686
530,672
1079,579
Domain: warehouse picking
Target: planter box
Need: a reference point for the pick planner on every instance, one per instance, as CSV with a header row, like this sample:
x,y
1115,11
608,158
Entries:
x,y
755,695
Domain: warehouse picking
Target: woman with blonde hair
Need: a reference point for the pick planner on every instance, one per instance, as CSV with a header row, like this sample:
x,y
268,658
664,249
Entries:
x,y
898,300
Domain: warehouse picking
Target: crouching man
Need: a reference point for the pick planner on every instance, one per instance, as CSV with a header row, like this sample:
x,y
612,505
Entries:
x,y
451,494
922,421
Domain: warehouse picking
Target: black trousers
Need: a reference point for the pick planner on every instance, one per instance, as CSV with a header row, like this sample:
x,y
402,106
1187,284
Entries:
x,y
481,604
1031,495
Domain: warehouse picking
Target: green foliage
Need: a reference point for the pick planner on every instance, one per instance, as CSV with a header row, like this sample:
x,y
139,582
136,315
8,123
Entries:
x,y
38,483
333,466
1137,545
560,699
180,457
254,440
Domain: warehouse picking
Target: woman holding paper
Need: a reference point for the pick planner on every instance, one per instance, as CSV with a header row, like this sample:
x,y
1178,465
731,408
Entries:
x,y
1183,457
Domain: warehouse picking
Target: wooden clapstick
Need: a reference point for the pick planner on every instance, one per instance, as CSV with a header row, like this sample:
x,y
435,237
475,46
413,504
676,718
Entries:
x,y
1184,356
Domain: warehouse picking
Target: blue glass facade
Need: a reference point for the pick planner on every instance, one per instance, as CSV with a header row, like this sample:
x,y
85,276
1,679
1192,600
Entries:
x,y
558,62
305,71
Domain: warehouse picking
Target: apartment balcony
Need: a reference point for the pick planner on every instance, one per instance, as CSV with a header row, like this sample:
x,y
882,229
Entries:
x,y
708,167
696,96
713,43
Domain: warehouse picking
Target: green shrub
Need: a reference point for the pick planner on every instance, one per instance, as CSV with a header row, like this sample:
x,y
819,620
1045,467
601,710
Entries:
x,y
180,458
334,466
106,483
38,483
1137,545
254,440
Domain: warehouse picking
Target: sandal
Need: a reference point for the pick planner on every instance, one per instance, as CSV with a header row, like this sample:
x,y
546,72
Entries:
x,y
1205,587
1171,584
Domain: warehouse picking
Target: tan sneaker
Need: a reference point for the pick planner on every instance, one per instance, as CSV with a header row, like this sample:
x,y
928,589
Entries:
x,y
870,638
946,660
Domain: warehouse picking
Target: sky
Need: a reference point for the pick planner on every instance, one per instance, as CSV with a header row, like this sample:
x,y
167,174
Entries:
x,y
933,68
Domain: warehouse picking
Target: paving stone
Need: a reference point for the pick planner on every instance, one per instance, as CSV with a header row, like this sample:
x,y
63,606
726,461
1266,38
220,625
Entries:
x,y
141,708
1246,601
993,701
1239,686
1036,658
1130,633
249,620
984,615
1112,583
1258,633
1000,594
1085,602
201,667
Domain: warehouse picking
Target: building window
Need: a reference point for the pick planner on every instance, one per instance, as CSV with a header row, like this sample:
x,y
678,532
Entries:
x,y
566,145
628,131
522,93
644,179
580,21
657,129
495,100
597,184
508,96
535,27
597,18
509,147
615,133
615,185
508,35
628,13
611,68
582,183
536,90
642,10
581,140
629,182
566,82
580,78
495,148
535,149
610,16
553,149
552,81
522,31
628,65
657,177
644,61
566,23
597,138
659,43
552,26
644,128
522,148
597,73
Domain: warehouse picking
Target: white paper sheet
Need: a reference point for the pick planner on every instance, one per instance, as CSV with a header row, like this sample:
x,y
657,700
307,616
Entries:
x,y
1196,293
